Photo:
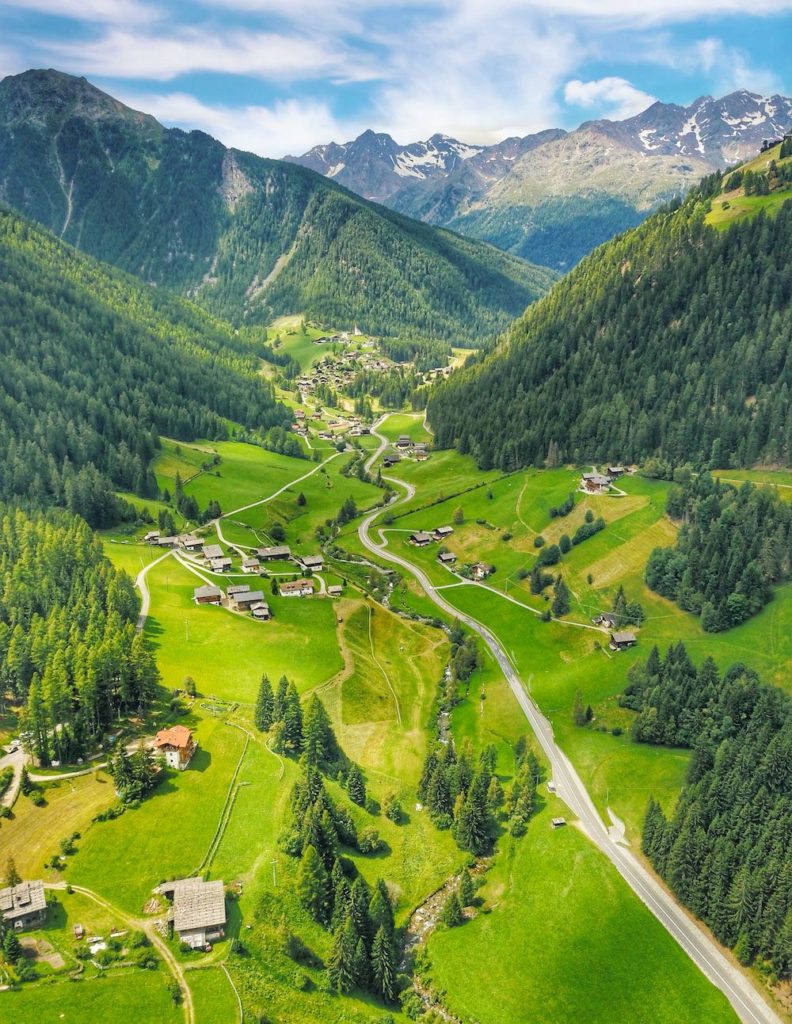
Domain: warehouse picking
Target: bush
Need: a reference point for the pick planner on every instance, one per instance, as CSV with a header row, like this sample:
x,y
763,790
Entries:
x,y
538,541
369,841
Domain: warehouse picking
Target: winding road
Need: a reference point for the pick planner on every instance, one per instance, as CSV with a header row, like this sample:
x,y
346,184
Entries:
x,y
747,1002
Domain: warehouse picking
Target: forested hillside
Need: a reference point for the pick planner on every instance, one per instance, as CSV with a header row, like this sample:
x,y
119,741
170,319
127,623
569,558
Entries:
x,y
671,340
68,647
249,238
733,546
95,365
726,850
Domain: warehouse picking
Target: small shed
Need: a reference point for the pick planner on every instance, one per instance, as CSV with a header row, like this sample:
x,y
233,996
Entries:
x,y
260,610
441,532
335,590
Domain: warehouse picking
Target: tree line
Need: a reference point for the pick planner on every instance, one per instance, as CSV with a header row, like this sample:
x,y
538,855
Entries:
x,y
726,851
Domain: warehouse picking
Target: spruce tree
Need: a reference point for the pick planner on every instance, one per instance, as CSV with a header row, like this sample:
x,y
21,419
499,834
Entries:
x,y
265,703
342,962
383,970
312,883
11,874
467,891
451,914
561,599
356,787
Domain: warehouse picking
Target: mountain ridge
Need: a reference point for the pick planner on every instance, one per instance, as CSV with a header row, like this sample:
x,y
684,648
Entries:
x,y
608,173
247,237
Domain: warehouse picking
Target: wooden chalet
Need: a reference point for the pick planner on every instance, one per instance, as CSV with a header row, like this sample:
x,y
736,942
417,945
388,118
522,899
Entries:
x,y
277,553
297,588
198,914
446,557
622,640
220,564
260,610
207,594
211,551
441,532
251,565
313,562
421,538
246,599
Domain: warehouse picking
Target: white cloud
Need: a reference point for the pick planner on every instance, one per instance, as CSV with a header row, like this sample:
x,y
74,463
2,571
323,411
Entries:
x,y
158,56
615,97
117,11
291,126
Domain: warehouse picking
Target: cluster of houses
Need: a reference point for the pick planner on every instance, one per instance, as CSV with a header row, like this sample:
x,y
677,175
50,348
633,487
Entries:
x,y
186,541
600,483
239,597
422,538
404,445
440,534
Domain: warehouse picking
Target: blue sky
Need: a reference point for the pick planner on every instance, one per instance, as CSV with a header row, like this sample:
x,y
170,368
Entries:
x,y
279,76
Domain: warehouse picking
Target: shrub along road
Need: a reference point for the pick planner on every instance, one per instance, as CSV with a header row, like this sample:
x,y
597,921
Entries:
x,y
700,947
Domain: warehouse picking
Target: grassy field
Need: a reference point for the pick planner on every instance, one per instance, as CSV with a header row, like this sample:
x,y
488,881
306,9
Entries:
x,y
227,653
117,998
168,835
214,999
562,940
728,209
32,835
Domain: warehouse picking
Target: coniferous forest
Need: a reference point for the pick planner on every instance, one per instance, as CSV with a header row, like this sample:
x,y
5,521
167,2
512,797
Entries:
x,y
726,851
95,365
671,340
734,544
68,645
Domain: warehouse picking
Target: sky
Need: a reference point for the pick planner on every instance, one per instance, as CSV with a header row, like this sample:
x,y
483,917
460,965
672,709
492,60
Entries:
x,y
280,76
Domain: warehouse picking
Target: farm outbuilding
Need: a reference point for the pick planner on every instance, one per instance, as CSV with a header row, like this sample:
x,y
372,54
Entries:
x,y
23,906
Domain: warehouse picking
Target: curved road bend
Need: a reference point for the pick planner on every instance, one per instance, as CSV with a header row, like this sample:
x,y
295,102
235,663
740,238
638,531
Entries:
x,y
145,596
748,1004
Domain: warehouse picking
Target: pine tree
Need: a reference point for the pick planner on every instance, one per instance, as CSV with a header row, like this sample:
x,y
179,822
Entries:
x,y
292,736
451,914
312,883
319,740
467,891
382,966
356,787
341,964
561,599
380,908
265,705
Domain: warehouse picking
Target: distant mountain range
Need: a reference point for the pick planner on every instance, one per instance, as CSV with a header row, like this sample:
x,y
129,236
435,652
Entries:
x,y
246,237
553,196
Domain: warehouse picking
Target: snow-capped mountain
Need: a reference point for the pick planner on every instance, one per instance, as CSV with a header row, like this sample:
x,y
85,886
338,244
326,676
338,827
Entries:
x,y
375,166
553,196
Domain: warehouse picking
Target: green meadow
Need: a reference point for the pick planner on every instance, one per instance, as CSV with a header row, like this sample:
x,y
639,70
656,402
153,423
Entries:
x,y
117,998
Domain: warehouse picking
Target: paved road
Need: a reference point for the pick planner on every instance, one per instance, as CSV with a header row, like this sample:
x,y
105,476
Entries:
x,y
748,1004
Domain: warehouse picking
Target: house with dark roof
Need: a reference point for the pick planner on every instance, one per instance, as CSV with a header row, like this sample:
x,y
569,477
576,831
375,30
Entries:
x,y
441,532
313,562
198,914
421,538
446,557
622,640
278,553
23,906
211,551
220,564
207,594
260,610
246,599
